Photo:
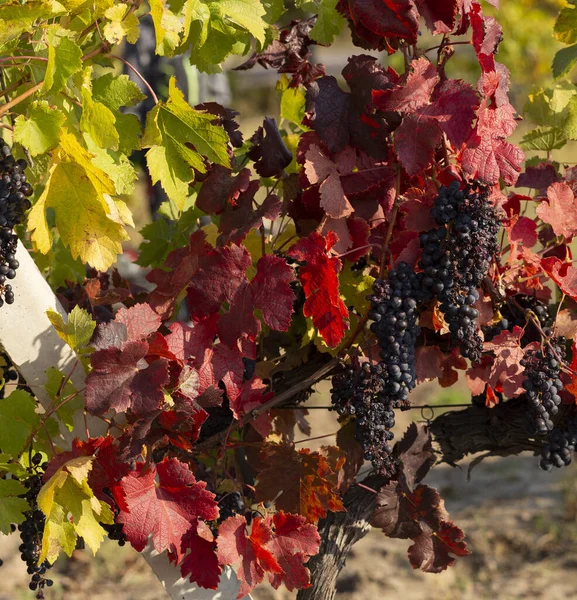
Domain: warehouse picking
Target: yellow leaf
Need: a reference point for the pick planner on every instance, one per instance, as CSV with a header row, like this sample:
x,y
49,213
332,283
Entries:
x,y
79,467
76,191
121,26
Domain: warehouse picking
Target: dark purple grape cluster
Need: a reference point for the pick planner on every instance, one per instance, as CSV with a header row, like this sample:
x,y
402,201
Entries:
x,y
32,530
360,393
14,202
456,257
560,446
372,392
542,385
230,505
7,372
513,313
395,315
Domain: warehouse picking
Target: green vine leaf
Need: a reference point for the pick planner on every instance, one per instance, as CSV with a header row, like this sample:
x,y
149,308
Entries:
x,y
11,506
171,128
18,409
64,61
77,331
39,130
329,22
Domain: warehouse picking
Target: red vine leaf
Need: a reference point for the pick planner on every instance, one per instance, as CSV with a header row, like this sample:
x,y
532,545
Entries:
x,y
140,321
563,274
319,278
431,551
249,553
164,501
123,379
268,150
221,188
299,482
178,269
293,543
200,565
321,170
414,93
560,210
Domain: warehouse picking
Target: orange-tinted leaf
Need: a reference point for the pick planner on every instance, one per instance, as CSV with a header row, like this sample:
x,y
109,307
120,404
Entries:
x,y
300,482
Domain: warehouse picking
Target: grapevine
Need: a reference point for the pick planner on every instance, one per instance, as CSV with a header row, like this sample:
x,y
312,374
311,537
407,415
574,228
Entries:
x,y
382,231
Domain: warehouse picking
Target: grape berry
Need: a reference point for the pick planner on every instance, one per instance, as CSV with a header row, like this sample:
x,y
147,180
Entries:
x,y
14,202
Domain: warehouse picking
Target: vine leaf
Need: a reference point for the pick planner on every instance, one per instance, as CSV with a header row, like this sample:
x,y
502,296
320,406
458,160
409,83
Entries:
x,y
64,60
40,130
122,378
221,277
71,510
247,551
321,170
432,548
179,267
172,127
240,217
277,545
80,195
167,27
319,278
77,331
140,321
563,274
407,510
163,500
121,25
18,409
268,151
560,210
299,482
294,541
12,504
200,565
107,469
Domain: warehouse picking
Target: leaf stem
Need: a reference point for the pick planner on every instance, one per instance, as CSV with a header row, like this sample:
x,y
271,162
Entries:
x,y
138,74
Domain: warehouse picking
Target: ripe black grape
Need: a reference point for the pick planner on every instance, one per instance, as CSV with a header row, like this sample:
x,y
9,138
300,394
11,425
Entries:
x,y
513,313
14,194
542,385
32,529
456,257
560,446
371,392
230,505
7,372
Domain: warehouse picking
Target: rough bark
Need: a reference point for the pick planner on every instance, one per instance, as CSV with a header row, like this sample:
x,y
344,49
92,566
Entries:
x,y
339,533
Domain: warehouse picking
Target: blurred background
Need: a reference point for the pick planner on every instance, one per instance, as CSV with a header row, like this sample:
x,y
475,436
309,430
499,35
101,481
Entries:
x,y
520,523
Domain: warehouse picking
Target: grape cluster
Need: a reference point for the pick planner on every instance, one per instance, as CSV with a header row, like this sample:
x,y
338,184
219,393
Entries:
x,y
394,314
513,313
8,372
560,446
32,529
360,393
230,505
542,385
456,256
14,202
372,392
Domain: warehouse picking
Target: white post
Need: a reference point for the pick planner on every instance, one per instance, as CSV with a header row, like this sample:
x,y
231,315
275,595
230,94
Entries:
x,y
33,346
